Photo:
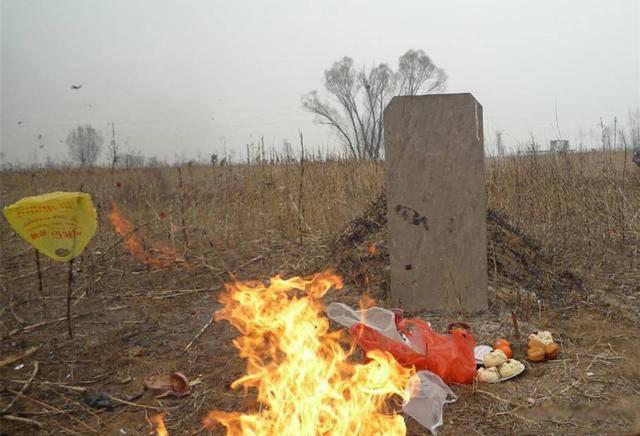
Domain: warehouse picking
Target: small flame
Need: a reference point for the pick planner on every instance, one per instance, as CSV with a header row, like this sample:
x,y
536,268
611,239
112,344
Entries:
x,y
373,249
158,421
305,380
366,302
159,254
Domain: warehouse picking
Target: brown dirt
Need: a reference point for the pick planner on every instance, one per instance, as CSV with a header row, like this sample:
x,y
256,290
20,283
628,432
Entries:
x,y
134,322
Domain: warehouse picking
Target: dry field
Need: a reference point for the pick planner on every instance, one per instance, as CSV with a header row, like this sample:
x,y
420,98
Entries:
x,y
564,240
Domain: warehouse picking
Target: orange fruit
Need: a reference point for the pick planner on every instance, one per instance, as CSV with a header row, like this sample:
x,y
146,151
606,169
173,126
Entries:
x,y
499,342
506,350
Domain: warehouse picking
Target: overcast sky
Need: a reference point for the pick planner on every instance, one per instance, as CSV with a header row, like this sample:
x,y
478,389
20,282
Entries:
x,y
187,77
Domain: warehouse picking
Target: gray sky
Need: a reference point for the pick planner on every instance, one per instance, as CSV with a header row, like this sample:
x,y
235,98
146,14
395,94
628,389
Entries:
x,y
183,77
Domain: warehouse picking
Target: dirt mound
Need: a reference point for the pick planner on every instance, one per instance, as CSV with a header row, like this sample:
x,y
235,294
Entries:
x,y
519,272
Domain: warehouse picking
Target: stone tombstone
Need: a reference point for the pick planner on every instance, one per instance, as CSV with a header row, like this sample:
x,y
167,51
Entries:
x,y
434,152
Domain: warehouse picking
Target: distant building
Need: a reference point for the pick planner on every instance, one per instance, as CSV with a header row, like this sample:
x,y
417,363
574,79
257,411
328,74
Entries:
x,y
558,145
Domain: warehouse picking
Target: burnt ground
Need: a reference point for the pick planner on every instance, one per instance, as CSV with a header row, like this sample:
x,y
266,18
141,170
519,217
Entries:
x,y
130,321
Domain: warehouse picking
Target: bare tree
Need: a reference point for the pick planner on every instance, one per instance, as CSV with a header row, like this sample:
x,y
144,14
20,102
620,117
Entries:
x,y
379,86
133,159
417,74
113,148
356,99
85,144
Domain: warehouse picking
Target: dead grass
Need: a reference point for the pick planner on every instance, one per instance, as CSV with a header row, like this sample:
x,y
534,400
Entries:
x,y
254,221
230,202
584,211
581,205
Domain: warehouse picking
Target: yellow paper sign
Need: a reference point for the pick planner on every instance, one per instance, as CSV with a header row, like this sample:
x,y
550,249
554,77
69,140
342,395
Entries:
x,y
58,224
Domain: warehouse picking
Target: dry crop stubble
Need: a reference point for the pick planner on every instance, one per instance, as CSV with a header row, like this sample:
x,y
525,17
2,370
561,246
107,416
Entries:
x,y
581,209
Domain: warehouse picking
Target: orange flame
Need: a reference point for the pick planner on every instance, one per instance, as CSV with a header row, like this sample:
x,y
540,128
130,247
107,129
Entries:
x,y
158,421
366,302
159,254
305,381
372,250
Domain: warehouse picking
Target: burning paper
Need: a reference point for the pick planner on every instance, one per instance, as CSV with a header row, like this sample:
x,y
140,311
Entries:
x,y
305,380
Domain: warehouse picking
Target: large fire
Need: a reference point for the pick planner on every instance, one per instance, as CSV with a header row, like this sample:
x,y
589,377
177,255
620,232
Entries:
x,y
305,379
157,254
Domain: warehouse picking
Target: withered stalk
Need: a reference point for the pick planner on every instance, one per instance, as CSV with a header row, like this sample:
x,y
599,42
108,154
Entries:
x,y
40,284
516,327
69,285
181,188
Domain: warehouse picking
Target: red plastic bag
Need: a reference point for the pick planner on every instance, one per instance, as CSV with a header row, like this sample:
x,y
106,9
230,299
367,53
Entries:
x,y
369,339
449,356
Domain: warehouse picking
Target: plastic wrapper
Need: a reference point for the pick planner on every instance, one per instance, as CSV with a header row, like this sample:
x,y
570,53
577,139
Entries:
x,y
57,224
377,318
429,394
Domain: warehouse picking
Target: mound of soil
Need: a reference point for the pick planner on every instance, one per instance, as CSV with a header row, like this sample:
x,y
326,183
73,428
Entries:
x,y
519,271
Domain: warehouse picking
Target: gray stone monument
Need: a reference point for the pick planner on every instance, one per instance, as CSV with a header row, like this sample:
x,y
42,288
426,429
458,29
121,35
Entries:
x,y
436,202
